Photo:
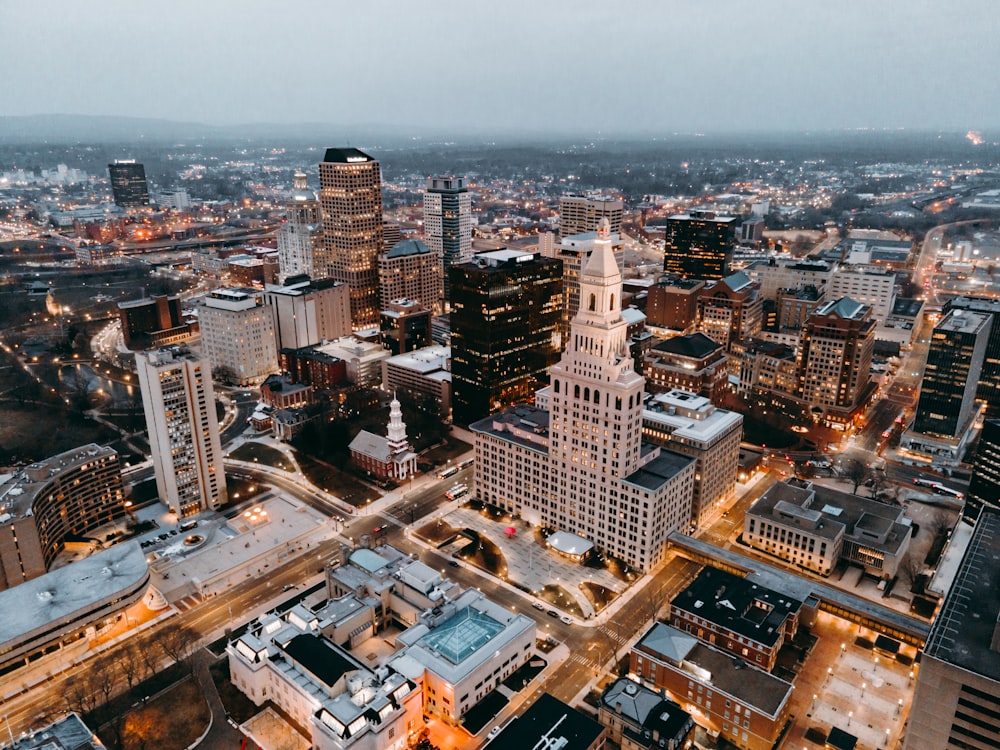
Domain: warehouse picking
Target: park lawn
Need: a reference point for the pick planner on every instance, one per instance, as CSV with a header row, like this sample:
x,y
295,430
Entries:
x,y
253,452
170,721
451,449
338,483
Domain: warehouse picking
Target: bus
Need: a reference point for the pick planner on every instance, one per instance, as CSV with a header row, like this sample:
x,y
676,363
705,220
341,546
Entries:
x,y
449,472
940,489
456,492
466,463
922,482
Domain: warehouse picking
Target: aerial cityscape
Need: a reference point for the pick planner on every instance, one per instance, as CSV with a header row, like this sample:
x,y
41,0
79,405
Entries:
x,y
344,410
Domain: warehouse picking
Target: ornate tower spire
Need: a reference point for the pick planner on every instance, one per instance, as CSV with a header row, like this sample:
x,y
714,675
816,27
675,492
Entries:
x,y
396,434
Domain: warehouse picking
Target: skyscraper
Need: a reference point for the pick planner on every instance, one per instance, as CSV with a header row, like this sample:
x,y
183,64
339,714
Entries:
x,y
128,184
300,238
448,222
576,462
988,391
506,307
237,333
984,488
179,403
956,703
350,194
699,244
583,213
411,270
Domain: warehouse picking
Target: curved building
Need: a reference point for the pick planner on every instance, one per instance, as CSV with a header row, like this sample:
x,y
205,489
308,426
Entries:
x,y
52,501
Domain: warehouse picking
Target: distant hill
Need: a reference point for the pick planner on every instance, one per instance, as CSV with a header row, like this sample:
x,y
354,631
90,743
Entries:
x,y
62,128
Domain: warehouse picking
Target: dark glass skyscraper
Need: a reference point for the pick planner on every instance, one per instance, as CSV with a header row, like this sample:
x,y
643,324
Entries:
x,y
988,390
699,245
506,308
128,183
984,489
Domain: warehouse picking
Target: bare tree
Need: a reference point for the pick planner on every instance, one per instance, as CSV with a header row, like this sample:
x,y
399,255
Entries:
x,y
129,661
176,643
855,472
908,572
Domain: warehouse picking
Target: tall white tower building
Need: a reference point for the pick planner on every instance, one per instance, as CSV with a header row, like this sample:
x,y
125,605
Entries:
x,y
300,238
237,333
179,403
595,478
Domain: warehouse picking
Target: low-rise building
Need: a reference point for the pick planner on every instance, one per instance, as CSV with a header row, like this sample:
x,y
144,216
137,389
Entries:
x,y
729,698
550,723
736,615
816,527
386,457
425,371
279,392
363,360
68,733
638,718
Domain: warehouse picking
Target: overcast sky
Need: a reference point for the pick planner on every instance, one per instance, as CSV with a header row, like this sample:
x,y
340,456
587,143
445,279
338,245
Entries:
x,y
542,65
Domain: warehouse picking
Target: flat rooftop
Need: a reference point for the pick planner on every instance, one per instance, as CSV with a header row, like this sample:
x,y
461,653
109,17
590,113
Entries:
x,y
660,470
19,491
319,657
71,592
967,623
549,723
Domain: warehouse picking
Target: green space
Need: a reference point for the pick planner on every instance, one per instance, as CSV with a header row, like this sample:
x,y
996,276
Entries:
x,y
337,482
253,452
599,596
484,554
450,449
557,596
172,720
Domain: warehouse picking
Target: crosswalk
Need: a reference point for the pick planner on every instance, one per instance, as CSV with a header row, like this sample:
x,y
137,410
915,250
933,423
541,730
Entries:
x,y
188,602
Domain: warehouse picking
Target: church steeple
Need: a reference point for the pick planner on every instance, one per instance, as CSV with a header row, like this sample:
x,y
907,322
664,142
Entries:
x,y
396,434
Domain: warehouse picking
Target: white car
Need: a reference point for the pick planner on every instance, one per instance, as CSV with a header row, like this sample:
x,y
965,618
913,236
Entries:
x,y
566,619
493,733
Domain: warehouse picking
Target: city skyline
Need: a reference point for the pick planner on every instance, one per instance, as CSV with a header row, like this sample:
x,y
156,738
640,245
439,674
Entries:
x,y
648,68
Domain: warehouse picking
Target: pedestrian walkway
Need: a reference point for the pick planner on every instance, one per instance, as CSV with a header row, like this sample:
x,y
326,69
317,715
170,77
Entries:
x,y
220,732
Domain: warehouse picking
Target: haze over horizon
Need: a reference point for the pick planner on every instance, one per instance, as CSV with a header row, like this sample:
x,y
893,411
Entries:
x,y
553,67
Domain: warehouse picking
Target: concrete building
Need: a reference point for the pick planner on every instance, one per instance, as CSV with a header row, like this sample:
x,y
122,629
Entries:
x,y
362,359
237,333
179,404
638,718
693,363
447,227
68,733
550,723
424,371
153,321
305,312
730,311
128,183
727,697
946,411
689,424
311,367
583,213
506,307
578,464
350,194
988,392
411,270
834,361
789,274
280,392
816,528
875,287
78,600
300,238
956,703
49,502
405,326
253,271
386,457
699,245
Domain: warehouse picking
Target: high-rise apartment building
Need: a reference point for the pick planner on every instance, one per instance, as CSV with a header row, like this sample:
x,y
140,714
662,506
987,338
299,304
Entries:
x,y
300,238
237,333
577,463
946,410
989,378
448,222
128,184
730,311
350,194
411,270
833,369
306,312
506,307
956,703
699,245
179,403
583,213
984,487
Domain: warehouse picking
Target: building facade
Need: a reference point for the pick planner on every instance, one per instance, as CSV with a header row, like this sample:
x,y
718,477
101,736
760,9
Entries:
x,y
50,501
988,392
447,225
506,307
128,183
300,238
154,321
179,404
350,194
693,363
583,213
984,487
425,371
699,245
237,333
405,326
305,312
410,270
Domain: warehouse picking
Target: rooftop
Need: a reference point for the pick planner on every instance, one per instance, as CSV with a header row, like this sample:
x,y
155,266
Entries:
x,y
407,247
346,156
69,733
19,491
660,470
694,345
737,604
320,658
549,723
966,625
523,424
690,416
68,593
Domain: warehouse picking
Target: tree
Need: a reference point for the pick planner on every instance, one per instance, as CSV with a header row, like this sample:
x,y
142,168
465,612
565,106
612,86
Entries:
x,y
855,472
129,660
176,643
224,375
908,572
